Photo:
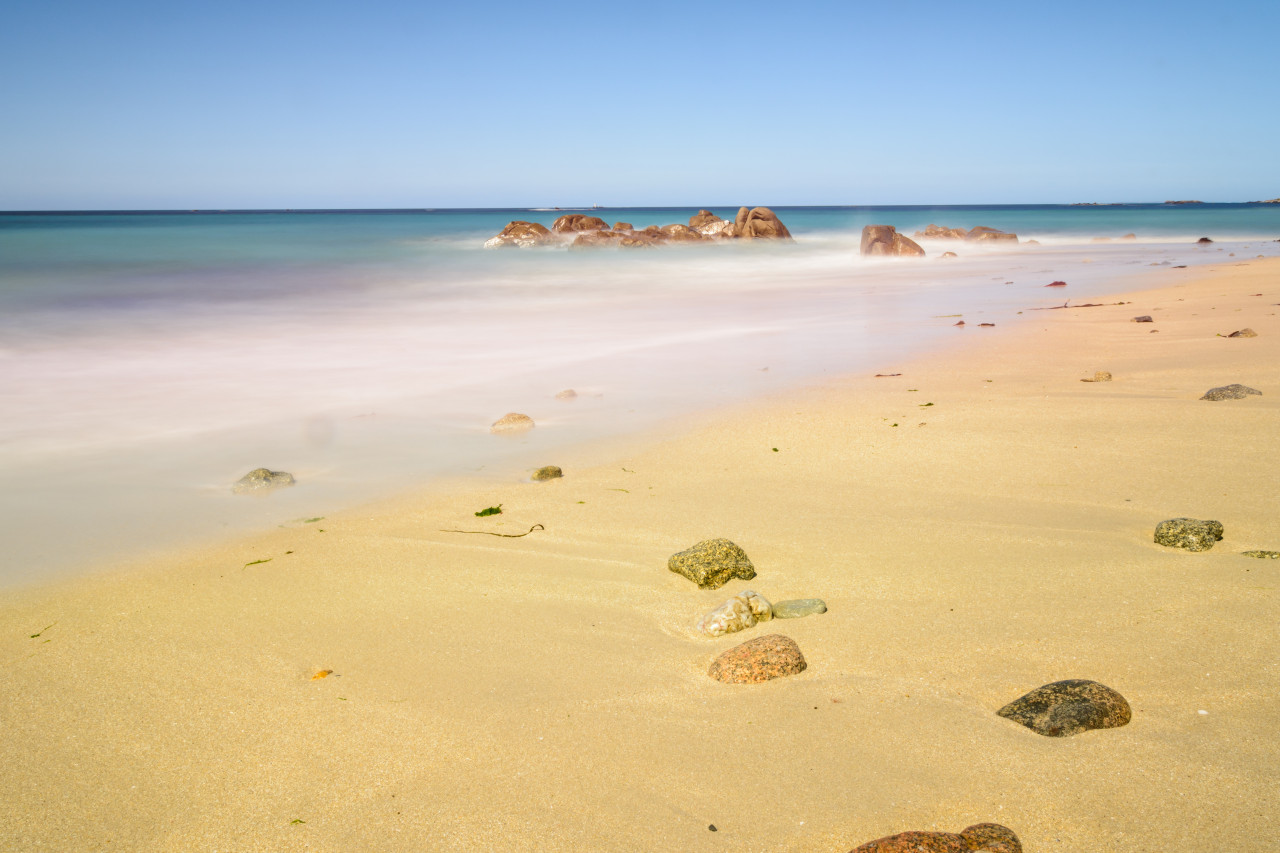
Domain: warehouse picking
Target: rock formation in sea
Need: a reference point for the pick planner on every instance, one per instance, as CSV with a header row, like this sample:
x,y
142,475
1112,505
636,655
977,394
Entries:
x,y
590,232
522,235
882,240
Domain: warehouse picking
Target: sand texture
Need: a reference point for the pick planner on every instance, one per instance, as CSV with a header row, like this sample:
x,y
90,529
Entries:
x,y
978,527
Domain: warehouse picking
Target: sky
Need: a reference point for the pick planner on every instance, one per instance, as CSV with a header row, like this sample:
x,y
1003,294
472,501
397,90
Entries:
x,y
181,105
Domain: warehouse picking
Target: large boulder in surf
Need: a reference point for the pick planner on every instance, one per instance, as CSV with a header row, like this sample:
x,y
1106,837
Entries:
x,y
573,222
759,223
520,234
985,234
681,233
885,240
595,240
938,232
703,217
646,239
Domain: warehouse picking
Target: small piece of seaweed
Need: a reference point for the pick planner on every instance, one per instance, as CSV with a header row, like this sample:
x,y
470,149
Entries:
x,y
922,405
503,535
42,630
492,510
256,562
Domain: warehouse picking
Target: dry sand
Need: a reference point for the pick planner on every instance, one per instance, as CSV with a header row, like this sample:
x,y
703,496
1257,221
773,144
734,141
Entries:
x,y
548,693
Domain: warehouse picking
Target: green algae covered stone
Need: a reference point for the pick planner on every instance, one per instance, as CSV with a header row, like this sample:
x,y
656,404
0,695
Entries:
x,y
798,607
1191,534
548,472
712,563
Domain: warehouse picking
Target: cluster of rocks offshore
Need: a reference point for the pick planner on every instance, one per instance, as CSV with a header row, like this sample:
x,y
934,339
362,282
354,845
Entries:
x,y
582,231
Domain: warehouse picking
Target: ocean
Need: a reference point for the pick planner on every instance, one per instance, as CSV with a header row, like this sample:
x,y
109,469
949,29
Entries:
x,y
152,358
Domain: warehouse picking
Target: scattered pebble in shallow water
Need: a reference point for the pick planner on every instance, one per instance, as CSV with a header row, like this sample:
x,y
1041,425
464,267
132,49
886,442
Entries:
x,y
262,480
512,422
567,394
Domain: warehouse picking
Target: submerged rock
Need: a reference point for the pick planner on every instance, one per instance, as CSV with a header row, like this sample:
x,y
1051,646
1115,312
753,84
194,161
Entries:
x,y
1234,391
798,607
522,235
742,611
548,472
979,838
512,422
712,563
262,480
938,232
1066,708
566,394
884,240
1191,534
758,660
983,233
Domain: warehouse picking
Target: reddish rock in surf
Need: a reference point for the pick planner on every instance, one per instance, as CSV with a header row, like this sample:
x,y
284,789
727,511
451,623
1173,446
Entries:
x,y
885,240
938,232
572,222
701,218
759,223
681,233
983,233
520,234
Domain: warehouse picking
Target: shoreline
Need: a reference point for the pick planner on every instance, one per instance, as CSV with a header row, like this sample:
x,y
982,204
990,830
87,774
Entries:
x,y
549,690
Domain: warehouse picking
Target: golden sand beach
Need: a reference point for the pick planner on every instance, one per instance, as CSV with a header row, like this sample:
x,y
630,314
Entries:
x,y
978,526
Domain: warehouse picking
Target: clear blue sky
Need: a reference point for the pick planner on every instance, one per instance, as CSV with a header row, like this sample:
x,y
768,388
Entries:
x,y
416,104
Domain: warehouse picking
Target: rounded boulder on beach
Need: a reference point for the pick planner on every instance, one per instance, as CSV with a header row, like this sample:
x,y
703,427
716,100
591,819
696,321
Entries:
x,y
761,659
1066,708
979,838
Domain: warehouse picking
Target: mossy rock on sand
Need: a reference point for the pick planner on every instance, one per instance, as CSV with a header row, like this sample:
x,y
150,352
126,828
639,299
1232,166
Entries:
x,y
1066,708
1234,391
979,838
548,472
712,563
1191,534
798,607
1263,555
261,480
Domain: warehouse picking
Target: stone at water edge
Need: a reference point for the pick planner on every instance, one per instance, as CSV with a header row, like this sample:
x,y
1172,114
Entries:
x,y
712,563
1100,376
571,222
884,240
1066,708
797,608
979,838
1191,534
742,611
759,660
512,422
522,235
548,472
262,480
1234,391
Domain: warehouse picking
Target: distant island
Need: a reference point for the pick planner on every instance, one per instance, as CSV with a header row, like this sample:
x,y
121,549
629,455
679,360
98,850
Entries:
x,y
1184,202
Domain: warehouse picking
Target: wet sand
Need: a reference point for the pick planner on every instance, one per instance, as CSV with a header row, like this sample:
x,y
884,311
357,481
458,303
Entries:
x,y
548,692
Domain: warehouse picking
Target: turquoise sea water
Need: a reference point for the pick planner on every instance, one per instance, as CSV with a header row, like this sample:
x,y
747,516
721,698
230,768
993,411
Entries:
x,y
148,360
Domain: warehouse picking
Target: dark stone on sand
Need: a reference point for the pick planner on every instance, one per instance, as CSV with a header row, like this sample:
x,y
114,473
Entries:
x,y
1191,534
548,472
1234,391
1204,240
1145,318
979,838
1066,708
758,660
1243,333
262,480
798,607
712,563
1263,555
